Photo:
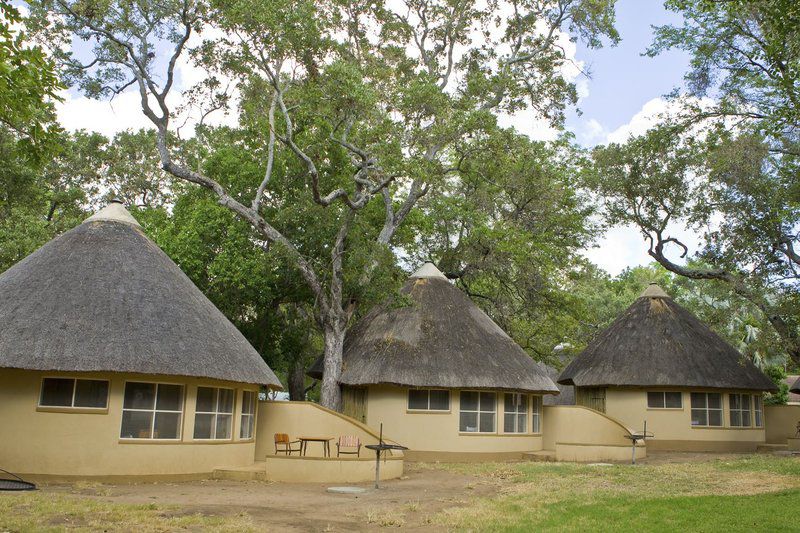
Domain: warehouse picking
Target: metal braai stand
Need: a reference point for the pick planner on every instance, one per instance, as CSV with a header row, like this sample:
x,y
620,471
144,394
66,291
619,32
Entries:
x,y
381,447
636,437
17,483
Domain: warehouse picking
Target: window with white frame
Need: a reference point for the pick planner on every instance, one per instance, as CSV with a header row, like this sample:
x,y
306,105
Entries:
x,y
213,417
248,415
664,400
428,400
706,409
536,411
73,392
152,411
758,410
478,411
515,413
739,405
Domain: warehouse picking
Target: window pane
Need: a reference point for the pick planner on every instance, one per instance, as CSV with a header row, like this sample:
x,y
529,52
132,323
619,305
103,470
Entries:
x,y
655,400
537,404
745,402
715,401
468,422
698,400
440,400
206,399
757,402
488,401
203,425
509,402
91,393
736,419
522,405
699,417
746,418
734,401
758,418
535,423
225,401
522,423
224,426
487,422
170,398
136,425
247,403
715,418
56,392
673,400
167,426
417,399
469,401
246,431
509,421
139,395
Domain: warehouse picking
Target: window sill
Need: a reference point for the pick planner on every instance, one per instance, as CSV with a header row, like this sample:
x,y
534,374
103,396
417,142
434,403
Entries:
x,y
79,410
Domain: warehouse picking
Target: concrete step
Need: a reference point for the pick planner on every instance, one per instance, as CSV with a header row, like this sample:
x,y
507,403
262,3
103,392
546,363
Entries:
x,y
254,472
544,456
769,448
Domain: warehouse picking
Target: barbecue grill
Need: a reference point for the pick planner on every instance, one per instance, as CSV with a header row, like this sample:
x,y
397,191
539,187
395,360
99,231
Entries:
x,y
16,483
379,448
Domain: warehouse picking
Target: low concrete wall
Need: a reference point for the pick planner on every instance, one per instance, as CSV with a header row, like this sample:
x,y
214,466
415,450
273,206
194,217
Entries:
x,y
295,469
794,445
307,419
577,433
781,422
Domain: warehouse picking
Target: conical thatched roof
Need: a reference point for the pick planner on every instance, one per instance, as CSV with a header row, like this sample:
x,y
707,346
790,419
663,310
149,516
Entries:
x,y
796,387
435,336
103,297
656,342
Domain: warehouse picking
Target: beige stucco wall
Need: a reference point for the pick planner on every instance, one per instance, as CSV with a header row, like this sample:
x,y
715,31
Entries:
x,y
435,435
672,428
781,422
294,469
577,433
40,442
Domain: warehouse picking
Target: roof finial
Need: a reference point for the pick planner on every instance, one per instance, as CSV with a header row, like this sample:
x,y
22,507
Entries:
x,y
653,291
428,270
114,212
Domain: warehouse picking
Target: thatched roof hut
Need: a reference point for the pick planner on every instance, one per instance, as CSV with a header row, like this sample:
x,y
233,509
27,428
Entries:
x,y
796,387
104,297
656,342
433,335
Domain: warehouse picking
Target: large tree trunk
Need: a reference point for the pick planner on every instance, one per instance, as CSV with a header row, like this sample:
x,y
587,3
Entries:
x,y
297,380
331,396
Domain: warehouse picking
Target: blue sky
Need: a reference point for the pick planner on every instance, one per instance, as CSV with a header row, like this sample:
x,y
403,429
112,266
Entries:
x,y
622,80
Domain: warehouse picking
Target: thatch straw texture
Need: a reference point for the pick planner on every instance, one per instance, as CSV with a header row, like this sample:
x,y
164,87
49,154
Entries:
x,y
433,335
103,297
656,342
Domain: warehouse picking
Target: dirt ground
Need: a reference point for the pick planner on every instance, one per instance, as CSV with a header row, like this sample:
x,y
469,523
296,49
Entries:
x,y
409,501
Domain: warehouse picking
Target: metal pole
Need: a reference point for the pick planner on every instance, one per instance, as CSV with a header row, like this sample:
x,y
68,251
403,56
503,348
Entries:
x,y
378,459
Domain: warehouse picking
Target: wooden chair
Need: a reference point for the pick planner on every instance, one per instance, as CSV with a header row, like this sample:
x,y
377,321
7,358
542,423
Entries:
x,y
283,444
348,441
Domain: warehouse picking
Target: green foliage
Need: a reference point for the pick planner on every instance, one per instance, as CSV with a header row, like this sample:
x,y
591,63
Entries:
x,y
778,375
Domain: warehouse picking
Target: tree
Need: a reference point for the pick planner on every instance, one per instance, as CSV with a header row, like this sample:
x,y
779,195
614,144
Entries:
x,y
727,187
364,98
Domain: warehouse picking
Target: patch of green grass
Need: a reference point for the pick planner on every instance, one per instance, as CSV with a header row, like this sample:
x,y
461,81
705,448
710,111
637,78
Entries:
x,y
37,511
535,496
789,466
760,512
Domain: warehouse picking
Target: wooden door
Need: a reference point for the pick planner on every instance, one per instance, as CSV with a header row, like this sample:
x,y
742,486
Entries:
x,y
591,397
354,403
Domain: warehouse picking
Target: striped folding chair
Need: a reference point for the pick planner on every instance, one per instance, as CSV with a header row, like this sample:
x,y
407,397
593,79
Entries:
x,y
349,443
